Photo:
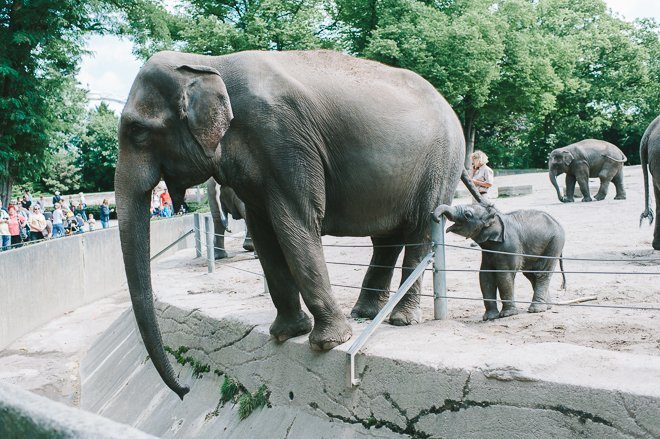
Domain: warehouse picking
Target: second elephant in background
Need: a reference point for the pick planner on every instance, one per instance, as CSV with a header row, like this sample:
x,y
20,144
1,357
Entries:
x,y
224,201
588,159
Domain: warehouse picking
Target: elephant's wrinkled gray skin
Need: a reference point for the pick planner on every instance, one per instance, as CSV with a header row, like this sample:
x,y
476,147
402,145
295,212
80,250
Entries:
x,y
529,232
649,153
588,159
224,201
313,143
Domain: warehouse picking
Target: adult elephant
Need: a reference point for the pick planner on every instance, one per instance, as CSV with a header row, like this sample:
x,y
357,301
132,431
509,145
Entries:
x,y
313,143
649,153
586,159
224,201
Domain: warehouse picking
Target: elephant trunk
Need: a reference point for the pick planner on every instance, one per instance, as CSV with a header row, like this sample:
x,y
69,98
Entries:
x,y
446,210
133,185
553,180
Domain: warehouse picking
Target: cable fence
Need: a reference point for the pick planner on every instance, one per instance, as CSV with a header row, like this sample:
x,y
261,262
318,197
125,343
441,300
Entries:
x,y
436,258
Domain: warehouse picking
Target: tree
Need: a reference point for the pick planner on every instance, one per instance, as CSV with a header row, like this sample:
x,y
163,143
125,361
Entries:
x,y
97,152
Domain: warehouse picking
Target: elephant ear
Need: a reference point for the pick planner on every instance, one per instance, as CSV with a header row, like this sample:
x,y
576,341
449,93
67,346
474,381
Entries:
x,y
205,106
568,158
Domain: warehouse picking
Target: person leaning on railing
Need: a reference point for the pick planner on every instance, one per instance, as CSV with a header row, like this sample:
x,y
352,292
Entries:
x,y
482,176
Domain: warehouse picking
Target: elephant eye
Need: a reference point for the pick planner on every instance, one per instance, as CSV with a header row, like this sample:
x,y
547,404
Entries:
x,y
138,132
468,214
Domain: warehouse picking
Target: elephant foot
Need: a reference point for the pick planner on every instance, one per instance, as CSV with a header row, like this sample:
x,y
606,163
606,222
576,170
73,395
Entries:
x,y
538,307
567,200
326,336
367,309
656,245
284,328
405,317
220,254
620,197
491,314
587,199
508,311
247,245
599,197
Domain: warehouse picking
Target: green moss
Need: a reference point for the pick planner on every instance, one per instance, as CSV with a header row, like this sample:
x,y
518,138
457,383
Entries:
x,y
198,368
248,402
229,389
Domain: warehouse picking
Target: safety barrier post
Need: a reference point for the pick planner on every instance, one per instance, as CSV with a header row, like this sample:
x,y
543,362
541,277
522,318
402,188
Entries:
x,y
210,254
439,273
198,236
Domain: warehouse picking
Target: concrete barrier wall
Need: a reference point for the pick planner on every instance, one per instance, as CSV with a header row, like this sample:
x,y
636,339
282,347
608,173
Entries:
x,y
42,281
26,415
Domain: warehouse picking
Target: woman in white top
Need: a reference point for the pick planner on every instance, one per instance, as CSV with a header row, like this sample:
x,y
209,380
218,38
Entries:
x,y
482,176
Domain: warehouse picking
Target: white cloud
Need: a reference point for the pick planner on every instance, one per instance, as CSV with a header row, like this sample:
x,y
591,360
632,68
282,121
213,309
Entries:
x,y
110,69
631,9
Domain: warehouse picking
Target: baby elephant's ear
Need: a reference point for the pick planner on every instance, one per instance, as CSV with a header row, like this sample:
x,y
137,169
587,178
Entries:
x,y
205,105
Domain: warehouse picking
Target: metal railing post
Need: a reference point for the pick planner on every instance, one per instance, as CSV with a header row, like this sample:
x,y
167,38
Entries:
x,y
439,273
198,236
210,254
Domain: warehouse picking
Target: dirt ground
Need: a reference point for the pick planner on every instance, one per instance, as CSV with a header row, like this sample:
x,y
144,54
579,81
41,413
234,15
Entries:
x,y
607,229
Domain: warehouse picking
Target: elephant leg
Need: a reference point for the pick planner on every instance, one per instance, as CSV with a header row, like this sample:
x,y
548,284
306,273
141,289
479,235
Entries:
x,y
488,284
408,311
505,284
219,235
605,175
618,184
570,188
300,239
583,181
541,286
371,300
656,230
247,242
291,320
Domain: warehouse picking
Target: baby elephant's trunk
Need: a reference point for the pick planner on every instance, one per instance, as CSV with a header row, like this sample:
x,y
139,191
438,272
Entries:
x,y
445,210
563,275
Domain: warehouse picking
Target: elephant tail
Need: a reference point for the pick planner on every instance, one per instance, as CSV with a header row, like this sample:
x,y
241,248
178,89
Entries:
x,y
623,160
467,181
563,275
644,157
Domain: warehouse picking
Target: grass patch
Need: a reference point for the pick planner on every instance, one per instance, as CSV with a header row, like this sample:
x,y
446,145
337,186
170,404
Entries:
x,y
198,367
249,402
229,389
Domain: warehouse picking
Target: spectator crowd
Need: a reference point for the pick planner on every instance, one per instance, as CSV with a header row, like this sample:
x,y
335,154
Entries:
x,y
26,220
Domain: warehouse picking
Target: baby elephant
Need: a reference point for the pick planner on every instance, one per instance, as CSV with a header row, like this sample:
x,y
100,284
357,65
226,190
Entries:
x,y
530,232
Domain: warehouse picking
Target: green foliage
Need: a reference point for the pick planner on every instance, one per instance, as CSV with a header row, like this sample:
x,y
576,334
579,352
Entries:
x,y
62,174
229,389
249,402
97,153
198,368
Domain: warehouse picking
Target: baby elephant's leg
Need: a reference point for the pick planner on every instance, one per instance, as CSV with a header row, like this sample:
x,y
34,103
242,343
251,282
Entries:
x,y
505,283
489,293
541,285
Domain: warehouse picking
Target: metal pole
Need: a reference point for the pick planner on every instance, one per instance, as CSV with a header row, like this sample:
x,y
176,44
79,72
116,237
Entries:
x,y
210,254
198,236
266,290
439,273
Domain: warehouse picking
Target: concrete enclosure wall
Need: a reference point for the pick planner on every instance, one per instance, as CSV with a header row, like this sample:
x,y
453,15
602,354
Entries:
x,y
42,281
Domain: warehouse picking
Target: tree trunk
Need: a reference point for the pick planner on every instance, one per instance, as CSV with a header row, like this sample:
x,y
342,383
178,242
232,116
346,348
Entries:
x,y
470,131
6,183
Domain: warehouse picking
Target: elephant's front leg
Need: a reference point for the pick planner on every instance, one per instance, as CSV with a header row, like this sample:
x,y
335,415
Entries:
x,y
408,311
569,196
291,320
505,284
371,300
488,285
301,244
656,230
583,181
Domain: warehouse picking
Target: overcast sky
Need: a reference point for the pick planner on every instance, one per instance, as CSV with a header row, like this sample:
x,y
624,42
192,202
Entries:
x,y
109,71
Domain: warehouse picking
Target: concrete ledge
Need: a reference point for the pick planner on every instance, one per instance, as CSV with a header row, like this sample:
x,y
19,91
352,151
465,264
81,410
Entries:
x,y
26,415
434,387
45,280
515,191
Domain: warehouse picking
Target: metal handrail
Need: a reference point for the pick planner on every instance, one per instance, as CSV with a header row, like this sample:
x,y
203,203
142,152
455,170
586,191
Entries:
x,y
389,306
179,239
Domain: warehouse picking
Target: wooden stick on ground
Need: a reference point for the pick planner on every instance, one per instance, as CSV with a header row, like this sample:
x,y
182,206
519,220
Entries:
x,y
578,300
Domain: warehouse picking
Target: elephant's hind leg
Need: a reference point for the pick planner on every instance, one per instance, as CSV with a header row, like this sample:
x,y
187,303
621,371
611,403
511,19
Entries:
x,y
541,286
371,300
656,230
291,320
618,184
408,311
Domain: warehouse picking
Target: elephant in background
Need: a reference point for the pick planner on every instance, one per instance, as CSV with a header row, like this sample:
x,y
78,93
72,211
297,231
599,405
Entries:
x,y
649,153
224,201
314,143
529,232
588,159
